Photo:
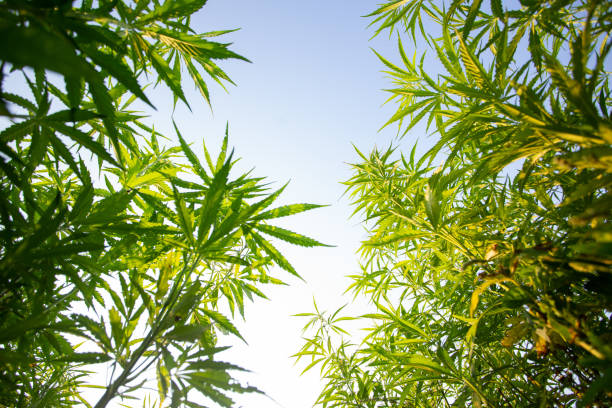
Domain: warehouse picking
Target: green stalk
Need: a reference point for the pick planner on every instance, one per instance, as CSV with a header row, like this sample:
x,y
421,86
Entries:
x,y
124,378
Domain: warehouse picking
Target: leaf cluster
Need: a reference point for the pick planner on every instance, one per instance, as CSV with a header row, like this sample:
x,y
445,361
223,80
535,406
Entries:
x,y
116,246
490,274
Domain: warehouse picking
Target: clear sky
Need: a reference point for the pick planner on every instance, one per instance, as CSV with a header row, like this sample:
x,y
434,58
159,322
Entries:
x,y
313,89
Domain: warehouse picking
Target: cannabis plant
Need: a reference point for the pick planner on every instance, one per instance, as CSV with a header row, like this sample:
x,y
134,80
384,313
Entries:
x,y
488,260
119,246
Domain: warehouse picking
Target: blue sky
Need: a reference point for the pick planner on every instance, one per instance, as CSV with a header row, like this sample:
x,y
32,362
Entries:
x,y
313,90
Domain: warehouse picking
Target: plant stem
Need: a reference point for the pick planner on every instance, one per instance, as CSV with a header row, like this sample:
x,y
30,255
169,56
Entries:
x,y
124,378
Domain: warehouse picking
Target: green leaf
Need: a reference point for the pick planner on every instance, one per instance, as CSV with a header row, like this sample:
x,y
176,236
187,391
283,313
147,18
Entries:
x,y
472,66
163,380
167,75
483,287
285,211
189,332
432,206
17,131
108,208
288,236
87,358
116,327
191,156
424,363
184,216
497,9
213,365
172,9
469,20
212,202
275,254
187,302
96,329
223,322
85,140
14,357
119,70
42,49
71,115
19,328
62,151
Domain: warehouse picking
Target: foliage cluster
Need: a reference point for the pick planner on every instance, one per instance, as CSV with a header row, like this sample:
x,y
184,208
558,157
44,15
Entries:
x,y
116,248
490,288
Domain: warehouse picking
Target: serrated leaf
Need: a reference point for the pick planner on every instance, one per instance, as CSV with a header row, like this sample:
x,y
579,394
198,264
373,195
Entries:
x,y
286,210
85,140
184,216
275,254
288,236
223,322
189,332
212,202
197,166
119,70
172,9
87,358
167,75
